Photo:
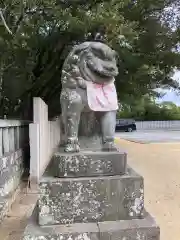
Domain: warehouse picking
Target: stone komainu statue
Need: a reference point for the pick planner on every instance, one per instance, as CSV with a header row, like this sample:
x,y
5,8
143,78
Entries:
x,y
88,85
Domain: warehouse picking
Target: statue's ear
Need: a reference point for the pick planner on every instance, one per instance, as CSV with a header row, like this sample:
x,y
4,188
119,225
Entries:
x,y
82,47
116,55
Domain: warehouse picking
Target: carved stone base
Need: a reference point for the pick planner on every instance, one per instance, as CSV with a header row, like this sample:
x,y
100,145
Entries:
x,y
88,163
91,199
136,229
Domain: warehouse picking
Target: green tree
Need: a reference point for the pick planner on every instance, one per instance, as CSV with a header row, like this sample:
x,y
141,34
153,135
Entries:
x,y
35,37
147,109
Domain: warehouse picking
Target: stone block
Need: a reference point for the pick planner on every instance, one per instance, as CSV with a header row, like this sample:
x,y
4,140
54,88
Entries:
x,y
9,172
136,229
88,163
11,169
91,199
10,183
6,202
3,209
12,158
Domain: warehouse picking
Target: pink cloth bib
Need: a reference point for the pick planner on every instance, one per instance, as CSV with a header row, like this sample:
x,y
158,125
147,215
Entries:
x,y
101,97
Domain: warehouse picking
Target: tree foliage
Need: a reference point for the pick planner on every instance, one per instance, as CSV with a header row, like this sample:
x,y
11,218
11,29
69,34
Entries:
x,y
147,109
36,35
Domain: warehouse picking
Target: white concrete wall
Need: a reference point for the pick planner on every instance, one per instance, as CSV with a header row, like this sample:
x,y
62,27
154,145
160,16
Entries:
x,y
154,125
44,139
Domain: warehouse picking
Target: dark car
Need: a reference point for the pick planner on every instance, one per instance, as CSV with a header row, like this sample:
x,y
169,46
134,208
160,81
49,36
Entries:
x,y
127,125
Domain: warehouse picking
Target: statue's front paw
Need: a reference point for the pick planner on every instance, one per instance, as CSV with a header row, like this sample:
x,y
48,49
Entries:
x,y
109,147
72,147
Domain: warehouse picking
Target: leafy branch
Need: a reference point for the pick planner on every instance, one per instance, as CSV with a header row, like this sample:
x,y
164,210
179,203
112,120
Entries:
x,y
4,22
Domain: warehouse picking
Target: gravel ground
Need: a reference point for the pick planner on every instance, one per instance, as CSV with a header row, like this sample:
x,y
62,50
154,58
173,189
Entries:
x,y
159,164
151,136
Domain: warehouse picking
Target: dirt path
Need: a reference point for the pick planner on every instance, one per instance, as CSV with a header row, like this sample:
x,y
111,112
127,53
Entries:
x,y
14,224
159,164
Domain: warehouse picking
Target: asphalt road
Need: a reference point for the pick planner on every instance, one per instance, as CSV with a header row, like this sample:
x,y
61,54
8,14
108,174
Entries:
x,y
153,136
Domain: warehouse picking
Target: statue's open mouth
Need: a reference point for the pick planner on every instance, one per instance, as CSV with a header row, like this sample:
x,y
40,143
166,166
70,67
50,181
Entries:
x,y
95,75
103,70
103,74
97,70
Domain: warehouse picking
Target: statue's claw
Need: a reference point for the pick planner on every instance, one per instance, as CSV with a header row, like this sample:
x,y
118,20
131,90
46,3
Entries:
x,y
72,146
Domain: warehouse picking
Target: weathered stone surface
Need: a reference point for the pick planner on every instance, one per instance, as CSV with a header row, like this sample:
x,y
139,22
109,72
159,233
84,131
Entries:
x,y
11,169
141,229
92,142
91,199
10,159
88,86
6,202
135,229
3,209
8,176
11,182
89,163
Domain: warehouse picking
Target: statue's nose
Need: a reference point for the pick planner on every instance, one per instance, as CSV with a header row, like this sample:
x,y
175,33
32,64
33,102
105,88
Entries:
x,y
110,68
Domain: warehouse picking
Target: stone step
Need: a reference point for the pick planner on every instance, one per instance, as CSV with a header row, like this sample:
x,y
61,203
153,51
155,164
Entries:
x,y
88,163
91,199
136,229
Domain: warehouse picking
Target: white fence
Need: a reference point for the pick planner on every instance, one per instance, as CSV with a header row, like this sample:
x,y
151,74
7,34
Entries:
x,y
44,139
154,125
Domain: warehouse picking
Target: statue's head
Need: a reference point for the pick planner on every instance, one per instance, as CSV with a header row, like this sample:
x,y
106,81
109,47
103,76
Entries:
x,y
97,62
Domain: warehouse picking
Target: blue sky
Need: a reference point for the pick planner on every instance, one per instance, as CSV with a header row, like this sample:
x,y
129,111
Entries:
x,y
171,95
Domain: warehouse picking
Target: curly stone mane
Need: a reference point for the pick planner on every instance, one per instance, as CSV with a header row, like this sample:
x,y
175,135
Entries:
x,y
90,61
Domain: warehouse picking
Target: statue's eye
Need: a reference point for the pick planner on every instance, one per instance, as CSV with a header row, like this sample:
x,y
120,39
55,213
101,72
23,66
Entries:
x,y
100,54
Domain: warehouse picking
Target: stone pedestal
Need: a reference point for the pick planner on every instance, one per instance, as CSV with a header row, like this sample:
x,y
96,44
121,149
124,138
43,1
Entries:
x,y
88,163
91,195
91,199
136,229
